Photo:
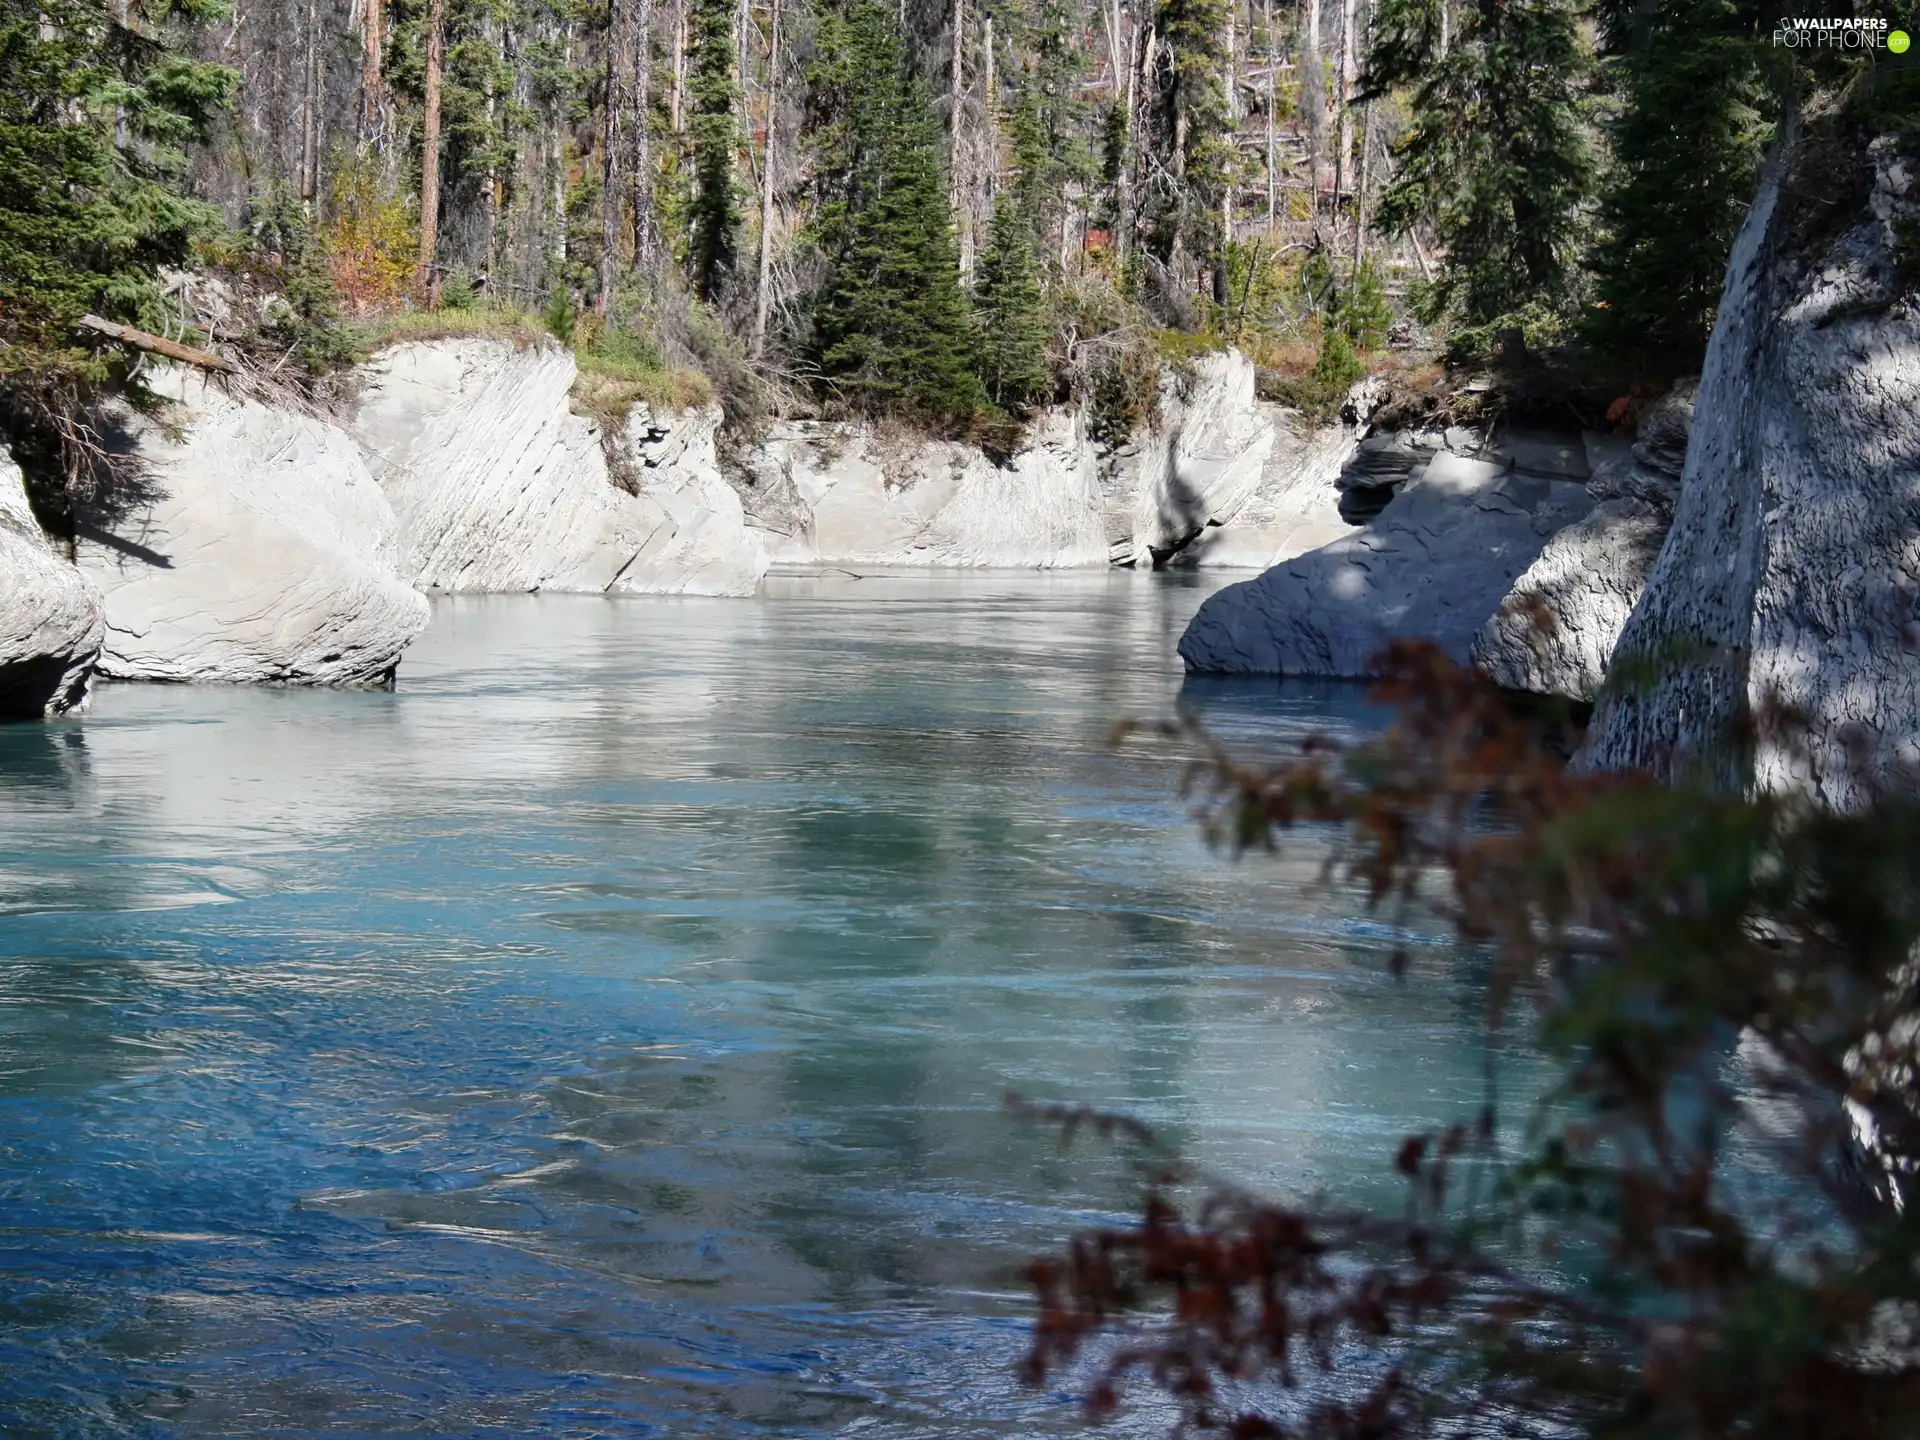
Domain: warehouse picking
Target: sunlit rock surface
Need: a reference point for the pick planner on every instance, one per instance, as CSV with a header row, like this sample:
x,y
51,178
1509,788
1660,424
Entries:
x,y
500,488
50,614
1790,576
251,545
1435,563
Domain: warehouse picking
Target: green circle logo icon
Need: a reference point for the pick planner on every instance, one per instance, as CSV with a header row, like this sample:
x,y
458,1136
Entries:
x,y
1897,42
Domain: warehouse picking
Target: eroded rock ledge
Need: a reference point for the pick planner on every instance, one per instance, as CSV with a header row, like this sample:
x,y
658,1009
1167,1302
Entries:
x,y
51,620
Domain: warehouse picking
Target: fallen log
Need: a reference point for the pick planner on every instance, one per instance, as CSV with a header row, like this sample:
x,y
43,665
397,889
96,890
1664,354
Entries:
x,y
156,344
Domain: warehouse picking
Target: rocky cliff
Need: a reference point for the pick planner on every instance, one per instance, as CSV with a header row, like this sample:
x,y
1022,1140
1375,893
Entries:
x,y
498,486
50,615
246,542
1790,576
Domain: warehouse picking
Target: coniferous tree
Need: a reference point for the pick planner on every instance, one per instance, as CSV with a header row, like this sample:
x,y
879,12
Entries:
x,y
1050,153
1495,159
1010,312
96,117
890,324
1191,132
1686,139
716,140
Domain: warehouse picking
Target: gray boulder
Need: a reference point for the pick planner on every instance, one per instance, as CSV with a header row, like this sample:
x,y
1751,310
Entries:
x,y
1789,581
1435,563
254,546
50,615
1554,633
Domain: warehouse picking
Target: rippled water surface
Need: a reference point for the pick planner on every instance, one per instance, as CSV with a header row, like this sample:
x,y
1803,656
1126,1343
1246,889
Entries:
x,y
605,1033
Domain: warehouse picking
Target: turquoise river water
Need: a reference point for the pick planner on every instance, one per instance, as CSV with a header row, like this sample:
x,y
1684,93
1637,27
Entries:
x,y
604,1033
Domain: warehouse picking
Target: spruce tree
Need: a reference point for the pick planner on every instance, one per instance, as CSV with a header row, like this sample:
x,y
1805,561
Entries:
x,y
96,115
891,331
1011,313
1687,135
1191,131
1495,158
716,140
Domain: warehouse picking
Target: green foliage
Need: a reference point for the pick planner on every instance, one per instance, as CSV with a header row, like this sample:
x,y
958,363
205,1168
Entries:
x,y
95,118
1688,1239
304,319
1191,131
891,329
716,140
1496,159
1540,328
1686,140
1321,392
1011,314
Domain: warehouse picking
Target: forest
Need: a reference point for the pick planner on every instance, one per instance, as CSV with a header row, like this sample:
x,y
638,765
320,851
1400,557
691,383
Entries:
x,y
944,211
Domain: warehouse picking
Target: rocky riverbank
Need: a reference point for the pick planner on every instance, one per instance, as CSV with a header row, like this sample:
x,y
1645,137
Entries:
x,y
248,541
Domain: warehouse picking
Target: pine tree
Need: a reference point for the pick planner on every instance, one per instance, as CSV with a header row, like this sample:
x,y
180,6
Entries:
x,y
716,141
891,330
1495,159
1010,313
96,115
1686,145
1050,153
1190,130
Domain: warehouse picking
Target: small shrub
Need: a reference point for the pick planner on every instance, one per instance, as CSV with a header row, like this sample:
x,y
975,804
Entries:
x,y
370,244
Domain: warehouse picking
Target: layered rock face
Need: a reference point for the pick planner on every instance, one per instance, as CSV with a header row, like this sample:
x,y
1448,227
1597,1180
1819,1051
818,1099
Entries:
x,y
499,487
1435,564
1791,572
51,621
252,547
1556,631
1216,478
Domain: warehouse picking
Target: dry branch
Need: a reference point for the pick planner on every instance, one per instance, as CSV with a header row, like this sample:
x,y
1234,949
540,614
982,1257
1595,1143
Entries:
x,y
155,344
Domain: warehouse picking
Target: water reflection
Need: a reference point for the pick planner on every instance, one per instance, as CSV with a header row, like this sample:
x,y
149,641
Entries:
x,y
604,1033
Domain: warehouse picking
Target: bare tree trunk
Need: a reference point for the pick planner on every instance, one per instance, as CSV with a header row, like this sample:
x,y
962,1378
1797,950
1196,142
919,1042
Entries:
x,y
1123,185
371,40
1233,136
644,226
557,133
1313,98
1349,70
1446,27
1360,190
618,45
490,183
425,280
764,292
310,109
1273,65
990,111
677,108
958,179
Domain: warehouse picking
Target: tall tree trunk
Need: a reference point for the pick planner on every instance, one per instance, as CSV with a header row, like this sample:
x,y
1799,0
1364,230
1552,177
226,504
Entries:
x,y
310,109
1360,190
1231,79
1349,71
618,46
763,291
1129,145
989,111
426,281
1446,27
371,40
557,175
959,181
645,229
1273,66
677,108
1313,98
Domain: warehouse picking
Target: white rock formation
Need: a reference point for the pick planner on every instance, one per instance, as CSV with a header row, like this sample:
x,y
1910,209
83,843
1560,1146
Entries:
x,y
868,500
500,487
253,546
1792,571
1555,632
1435,563
1218,478
1294,508
50,615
